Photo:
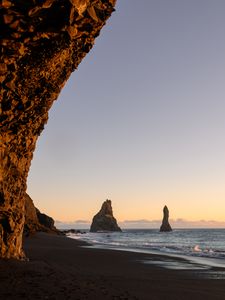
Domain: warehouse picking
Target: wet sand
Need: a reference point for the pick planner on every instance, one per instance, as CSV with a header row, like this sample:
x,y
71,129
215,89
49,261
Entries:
x,y
60,268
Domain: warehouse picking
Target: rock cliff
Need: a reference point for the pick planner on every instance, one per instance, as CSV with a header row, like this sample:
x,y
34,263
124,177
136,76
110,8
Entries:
x,y
165,222
35,220
42,42
104,220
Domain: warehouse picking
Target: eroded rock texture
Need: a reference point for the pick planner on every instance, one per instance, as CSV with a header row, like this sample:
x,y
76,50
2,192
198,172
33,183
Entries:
x,y
104,219
165,222
42,42
35,220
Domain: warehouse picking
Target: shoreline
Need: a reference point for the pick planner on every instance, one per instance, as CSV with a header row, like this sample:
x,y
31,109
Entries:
x,y
178,261
197,259
63,268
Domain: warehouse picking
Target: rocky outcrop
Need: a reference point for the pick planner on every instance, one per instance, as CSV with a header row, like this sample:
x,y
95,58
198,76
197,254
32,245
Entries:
x,y
31,220
35,220
42,42
104,220
73,231
165,227
46,221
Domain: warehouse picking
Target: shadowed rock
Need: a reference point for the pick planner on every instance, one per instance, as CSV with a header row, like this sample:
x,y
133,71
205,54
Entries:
x,y
37,221
42,42
31,220
45,221
104,220
165,222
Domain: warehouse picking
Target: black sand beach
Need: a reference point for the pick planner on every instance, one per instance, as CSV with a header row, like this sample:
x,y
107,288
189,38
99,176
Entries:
x,y
58,268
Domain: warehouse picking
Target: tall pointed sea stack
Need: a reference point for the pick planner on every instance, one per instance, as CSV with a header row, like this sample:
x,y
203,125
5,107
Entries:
x,y
104,220
165,227
42,42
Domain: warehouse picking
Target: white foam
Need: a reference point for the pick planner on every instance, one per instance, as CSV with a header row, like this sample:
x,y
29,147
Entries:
x,y
197,249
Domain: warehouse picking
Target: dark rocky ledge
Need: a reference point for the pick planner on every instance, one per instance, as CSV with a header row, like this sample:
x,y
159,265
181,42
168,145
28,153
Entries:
x,y
73,231
42,42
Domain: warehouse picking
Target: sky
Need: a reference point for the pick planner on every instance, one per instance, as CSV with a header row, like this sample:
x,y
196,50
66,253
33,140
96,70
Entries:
x,y
142,120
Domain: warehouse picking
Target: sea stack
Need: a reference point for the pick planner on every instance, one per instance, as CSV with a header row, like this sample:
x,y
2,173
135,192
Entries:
x,y
165,227
104,219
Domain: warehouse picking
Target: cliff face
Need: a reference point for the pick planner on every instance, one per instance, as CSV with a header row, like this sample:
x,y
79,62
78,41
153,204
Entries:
x,y
42,42
104,220
31,219
165,222
35,220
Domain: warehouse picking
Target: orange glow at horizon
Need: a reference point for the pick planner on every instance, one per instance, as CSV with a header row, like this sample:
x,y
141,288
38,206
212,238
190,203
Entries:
x,y
126,207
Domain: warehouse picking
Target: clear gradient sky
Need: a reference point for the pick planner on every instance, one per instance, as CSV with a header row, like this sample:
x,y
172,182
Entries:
x,y
142,121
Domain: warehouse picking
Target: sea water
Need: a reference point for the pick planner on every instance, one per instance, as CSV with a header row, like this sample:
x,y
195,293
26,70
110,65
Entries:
x,y
200,246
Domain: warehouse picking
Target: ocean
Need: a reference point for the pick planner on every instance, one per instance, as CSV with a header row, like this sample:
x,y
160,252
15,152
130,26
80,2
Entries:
x,y
201,247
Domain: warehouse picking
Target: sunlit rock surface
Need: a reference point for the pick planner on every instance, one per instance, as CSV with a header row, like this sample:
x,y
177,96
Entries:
x,y
165,222
42,42
104,219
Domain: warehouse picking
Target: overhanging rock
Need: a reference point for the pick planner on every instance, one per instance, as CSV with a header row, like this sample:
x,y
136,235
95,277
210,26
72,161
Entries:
x,y
42,42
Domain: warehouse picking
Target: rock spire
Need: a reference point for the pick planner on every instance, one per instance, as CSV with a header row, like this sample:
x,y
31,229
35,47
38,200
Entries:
x,y
165,222
42,42
104,219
